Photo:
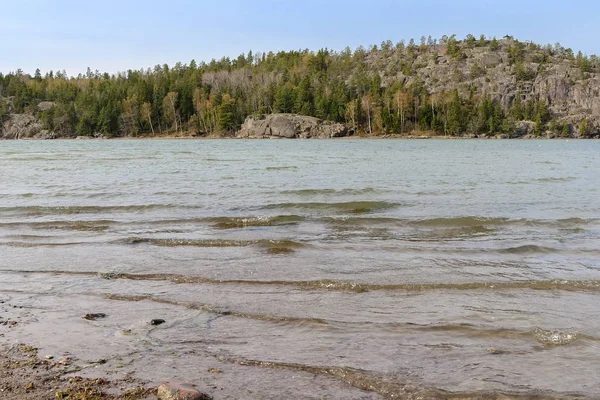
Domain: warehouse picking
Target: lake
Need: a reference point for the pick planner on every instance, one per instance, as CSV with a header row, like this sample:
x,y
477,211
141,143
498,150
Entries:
x,y
334,268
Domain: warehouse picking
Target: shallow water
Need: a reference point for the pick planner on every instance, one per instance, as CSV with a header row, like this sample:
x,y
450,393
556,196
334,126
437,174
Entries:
x,y
461,266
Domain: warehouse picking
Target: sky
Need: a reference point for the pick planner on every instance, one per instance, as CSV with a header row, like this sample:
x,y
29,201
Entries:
x,y
113,36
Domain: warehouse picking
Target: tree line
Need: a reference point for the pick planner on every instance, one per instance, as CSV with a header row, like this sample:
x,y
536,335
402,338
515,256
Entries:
x,y
346,86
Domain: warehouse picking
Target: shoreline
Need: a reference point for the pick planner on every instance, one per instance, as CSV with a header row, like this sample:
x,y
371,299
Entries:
x,y
375,137
85,364
70,356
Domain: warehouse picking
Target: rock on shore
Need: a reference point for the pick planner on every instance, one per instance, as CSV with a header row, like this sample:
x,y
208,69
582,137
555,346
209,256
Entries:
x,y
290,126
180,391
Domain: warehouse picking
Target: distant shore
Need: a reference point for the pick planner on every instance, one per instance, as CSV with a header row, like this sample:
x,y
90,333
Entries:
x,y
361,137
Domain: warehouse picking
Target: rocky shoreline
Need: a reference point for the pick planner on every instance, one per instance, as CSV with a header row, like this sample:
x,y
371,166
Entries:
x,y
26,376
80,356
271,126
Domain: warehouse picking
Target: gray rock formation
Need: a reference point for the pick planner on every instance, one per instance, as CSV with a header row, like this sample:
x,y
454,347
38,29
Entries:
x,y
571,94
290,126
22,126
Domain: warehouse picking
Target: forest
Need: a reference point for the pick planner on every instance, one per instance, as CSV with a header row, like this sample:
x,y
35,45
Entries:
x,y
480,86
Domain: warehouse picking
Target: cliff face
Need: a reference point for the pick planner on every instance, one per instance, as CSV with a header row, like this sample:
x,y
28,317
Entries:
x,y
571,93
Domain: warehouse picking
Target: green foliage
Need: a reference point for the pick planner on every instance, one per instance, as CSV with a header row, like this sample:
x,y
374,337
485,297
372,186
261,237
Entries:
x,y
516,52
477,71
470,41
284,99
583,62
490,117
522,73
516,111
455,115
482,41
453,47
304,103
494,45
226,117
583,127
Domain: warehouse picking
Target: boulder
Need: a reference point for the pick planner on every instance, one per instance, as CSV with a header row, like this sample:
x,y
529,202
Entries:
x,y
524,128
290,126
180,391
45,135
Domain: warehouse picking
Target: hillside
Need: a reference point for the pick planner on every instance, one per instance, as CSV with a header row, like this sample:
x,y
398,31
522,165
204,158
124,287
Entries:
x,y
471,87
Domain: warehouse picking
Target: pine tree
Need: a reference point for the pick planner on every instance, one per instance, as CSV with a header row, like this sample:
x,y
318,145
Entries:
x,y
455,122
226,120
304,103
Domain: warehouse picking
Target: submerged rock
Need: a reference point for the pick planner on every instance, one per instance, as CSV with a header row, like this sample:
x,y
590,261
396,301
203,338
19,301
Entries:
x,y
93,317
290,126
180,391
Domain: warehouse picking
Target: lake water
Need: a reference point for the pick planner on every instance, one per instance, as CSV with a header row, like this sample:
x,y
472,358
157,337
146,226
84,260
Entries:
x,y
384,268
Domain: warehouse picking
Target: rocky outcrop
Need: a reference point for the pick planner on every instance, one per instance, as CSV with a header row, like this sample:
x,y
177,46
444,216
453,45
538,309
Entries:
x,y
570,94
290,126
23,126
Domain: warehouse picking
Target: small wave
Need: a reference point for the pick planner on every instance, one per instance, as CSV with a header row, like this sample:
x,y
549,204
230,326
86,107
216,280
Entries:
x,y
566,285
244,222
187,242
556,180
528,249
344,220
68,210
576,221
356,207
39,244
316,192
467,221
555,337
282,168
222,160
90,226
267,244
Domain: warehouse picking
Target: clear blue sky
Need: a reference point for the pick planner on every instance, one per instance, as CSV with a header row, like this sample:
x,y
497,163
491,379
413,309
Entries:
x,y
115,36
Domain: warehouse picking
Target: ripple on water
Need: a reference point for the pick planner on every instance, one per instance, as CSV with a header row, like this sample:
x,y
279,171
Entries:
x,y
244,222
355,207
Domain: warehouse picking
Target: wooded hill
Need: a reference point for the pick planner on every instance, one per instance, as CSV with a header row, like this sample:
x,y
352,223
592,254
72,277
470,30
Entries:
x,y
474,86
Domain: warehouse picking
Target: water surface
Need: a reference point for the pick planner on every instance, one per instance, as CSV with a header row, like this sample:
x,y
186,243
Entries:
x,y
463,266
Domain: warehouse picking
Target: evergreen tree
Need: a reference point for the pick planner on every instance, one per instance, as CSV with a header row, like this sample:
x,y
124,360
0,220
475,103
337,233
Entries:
x,y
304,103
226,109
455,121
